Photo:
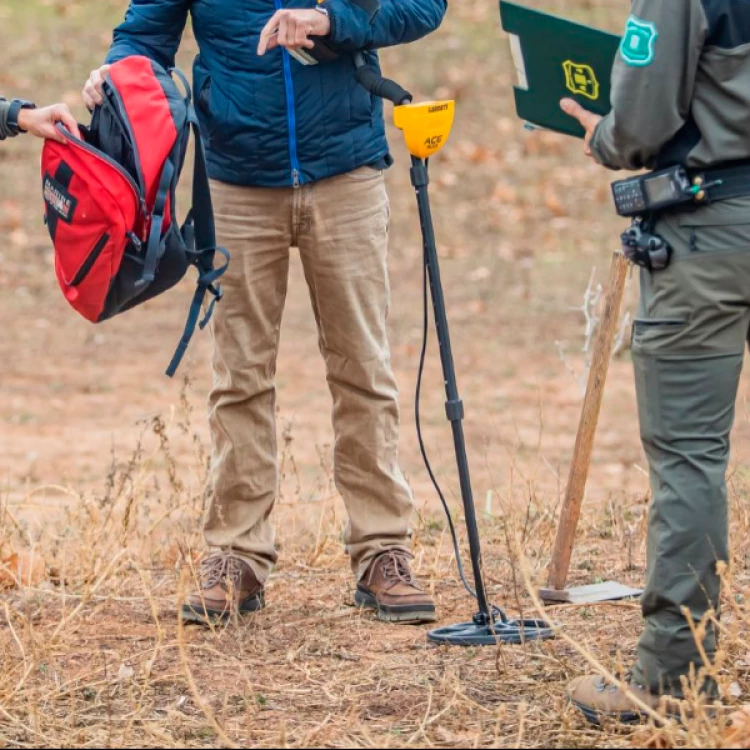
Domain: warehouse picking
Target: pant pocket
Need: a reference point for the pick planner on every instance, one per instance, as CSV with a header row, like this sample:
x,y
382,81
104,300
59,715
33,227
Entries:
x,y
650,335
642,325
720,228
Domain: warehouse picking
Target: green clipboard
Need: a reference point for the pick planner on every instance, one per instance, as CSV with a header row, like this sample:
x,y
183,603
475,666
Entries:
x,y
556,58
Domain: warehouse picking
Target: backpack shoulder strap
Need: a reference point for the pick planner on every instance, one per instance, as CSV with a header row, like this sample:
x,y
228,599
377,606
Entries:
x,y
154,246
203,210
199,234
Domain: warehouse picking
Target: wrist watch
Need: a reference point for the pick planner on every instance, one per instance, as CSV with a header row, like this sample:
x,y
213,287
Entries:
x,y
322,9
16,106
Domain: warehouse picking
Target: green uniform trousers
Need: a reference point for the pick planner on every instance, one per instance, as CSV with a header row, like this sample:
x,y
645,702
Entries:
x,y
688,348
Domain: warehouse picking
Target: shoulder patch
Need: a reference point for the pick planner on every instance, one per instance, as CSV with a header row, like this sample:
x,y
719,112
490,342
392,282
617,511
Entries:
x,y
638,47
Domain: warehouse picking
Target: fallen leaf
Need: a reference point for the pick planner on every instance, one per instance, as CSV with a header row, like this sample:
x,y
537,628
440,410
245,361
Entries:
x,y
738,733
480,274
652,739
22,569
8,566
125,673
19,238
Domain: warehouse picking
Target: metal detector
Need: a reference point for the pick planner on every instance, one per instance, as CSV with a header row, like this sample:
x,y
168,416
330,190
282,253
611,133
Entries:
x,y
426,128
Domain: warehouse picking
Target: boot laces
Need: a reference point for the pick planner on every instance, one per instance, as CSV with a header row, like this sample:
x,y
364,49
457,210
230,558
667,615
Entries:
x,y
605,685
395,566
222,570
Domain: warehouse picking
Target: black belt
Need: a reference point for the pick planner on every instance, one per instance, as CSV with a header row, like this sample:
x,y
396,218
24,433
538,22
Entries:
x,y
722,183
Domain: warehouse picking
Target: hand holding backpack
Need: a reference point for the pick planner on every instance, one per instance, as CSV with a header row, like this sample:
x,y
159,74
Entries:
x,y
110,201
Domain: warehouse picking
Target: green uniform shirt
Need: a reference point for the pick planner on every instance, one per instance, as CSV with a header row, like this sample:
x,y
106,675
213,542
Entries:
x,y
4,108
680,87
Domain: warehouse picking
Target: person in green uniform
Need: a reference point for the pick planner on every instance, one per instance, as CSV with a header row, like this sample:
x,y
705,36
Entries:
x,y
681,95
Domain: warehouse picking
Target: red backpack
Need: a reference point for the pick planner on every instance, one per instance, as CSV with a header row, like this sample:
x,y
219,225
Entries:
x,y
110,200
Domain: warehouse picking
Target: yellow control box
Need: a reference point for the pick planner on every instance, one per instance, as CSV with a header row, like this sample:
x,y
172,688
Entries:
x,y
426,126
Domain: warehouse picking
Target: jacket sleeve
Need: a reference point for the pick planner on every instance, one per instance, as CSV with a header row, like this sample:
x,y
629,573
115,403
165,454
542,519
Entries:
x,y
4,108
372,24
652,82
152,28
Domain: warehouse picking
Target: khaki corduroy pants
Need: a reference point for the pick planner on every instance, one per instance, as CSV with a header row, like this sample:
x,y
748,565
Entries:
x,y
340,226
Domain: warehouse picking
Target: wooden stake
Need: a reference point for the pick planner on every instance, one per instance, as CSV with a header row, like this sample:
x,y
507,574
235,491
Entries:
x,y
579,469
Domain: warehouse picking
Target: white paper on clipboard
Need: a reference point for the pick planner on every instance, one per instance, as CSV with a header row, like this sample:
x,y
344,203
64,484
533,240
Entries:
x,y
519,62
523,79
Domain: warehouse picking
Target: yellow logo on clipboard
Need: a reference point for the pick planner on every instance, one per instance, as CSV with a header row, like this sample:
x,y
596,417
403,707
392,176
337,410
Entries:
x,y
581,80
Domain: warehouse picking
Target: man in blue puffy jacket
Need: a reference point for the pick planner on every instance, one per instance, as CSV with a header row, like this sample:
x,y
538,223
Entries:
x,y
296,155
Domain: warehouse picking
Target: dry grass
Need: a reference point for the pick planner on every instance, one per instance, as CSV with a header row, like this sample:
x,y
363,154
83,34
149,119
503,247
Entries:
x,y
104,464
92,654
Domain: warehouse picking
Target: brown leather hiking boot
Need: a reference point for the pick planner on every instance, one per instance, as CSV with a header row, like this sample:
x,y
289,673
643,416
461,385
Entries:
x,y
389,588
228,587
601,701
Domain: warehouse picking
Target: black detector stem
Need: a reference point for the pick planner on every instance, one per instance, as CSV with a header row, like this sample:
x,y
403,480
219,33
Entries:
x,y
490,625
454,407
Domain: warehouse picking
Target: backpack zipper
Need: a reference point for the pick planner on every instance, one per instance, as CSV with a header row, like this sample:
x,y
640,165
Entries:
x,y
119,108
136,240
112,163
92,257
106,159
290,111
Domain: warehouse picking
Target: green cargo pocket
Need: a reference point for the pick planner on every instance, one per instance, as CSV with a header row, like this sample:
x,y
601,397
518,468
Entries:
x,y
650,330
645,324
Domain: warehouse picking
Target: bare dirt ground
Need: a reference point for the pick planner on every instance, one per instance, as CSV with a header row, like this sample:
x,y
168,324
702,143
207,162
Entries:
x,y
102,459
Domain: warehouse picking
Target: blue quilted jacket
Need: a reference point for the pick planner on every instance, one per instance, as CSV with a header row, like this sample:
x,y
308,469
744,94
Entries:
x,y
270,121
